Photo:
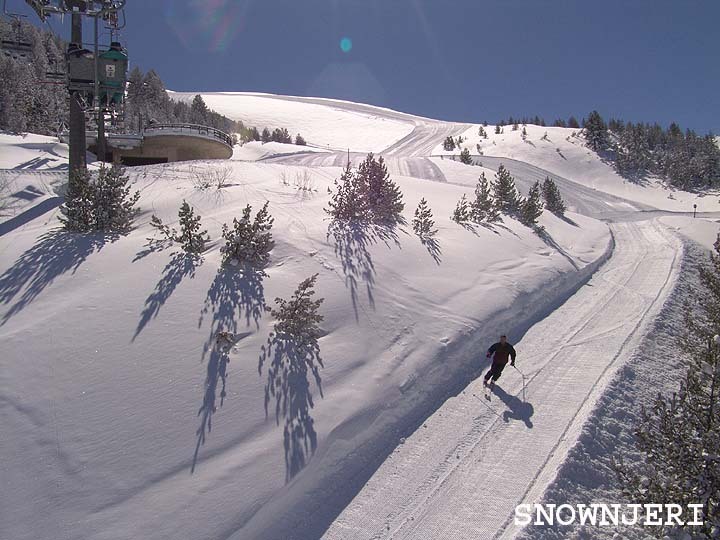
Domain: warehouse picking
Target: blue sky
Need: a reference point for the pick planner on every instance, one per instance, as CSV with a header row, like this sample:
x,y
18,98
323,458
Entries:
x,y
469,60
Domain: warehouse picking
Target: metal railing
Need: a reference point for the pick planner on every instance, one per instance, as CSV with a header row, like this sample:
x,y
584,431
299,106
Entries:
x,y
194,129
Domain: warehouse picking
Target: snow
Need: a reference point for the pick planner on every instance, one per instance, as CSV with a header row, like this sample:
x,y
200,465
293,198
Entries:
x,y
515,440
587,475
110,410
701,231
321,123
111,392
577,163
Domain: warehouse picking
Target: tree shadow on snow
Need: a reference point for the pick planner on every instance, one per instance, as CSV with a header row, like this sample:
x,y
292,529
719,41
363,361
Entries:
x,y
517,408
353,241
233,294
288,370
433,247
216,374
54,254
549,241
180,266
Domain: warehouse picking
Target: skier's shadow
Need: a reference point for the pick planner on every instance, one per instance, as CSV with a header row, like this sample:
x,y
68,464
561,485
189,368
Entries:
x,y
517,408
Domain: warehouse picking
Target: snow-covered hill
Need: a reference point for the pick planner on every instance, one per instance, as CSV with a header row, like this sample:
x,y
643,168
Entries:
x,y
562,152
121,419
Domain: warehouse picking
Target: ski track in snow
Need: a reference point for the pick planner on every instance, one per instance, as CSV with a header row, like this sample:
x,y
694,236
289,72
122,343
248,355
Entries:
x,y
463,472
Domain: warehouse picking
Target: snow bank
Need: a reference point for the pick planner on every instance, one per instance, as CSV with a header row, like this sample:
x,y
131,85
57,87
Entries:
x,y
700,230
255,150
111,394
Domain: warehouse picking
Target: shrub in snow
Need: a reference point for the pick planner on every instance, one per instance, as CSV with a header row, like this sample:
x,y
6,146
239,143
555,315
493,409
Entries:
x,y
249,241
532,207
505,192
423,223
297,319
367,195
484,208
552,197
191,238
103,203
299,140
465,157
449,143
463,211
678,434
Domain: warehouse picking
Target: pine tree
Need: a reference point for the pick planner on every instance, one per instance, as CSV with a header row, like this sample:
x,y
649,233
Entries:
x,y
497,129
531,208
596,132
347,202
449,143
483,208
191,237
573,123
552,198
249,241
465,157
266,136
77,210
383,196
299,140
103,203
678,435
198,110
423,221
524,133
463,211
505,192
298,320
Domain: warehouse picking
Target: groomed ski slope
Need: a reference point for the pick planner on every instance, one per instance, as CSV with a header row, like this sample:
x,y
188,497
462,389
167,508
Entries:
x,y
462,473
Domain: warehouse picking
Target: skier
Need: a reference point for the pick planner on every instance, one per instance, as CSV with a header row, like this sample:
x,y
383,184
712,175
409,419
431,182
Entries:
x,y
500,352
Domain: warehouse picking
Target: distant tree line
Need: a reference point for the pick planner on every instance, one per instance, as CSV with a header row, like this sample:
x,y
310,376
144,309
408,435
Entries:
x,y
683,158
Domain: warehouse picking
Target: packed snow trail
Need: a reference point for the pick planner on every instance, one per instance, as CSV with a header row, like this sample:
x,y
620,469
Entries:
x,y
463,472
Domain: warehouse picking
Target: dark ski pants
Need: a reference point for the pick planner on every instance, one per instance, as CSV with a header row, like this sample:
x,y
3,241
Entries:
x,y
495,371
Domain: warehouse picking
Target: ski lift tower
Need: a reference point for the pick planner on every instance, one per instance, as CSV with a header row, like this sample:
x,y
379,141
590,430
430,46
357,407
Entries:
x,y
85,81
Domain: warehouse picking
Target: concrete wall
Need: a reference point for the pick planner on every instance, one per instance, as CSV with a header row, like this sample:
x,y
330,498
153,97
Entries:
x,y
166,148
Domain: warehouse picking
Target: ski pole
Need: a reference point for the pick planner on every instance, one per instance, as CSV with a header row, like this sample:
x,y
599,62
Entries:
x,y
523,380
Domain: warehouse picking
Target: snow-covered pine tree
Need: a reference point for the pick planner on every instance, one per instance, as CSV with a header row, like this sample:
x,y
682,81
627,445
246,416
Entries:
x,y
298,320
423,223
299,140
678,435
265,136
483,208
449,143
497,129
463,211
465,157
482,133
505,193
524,133
191,237
596,132
531,208
515,126
249,241
552,197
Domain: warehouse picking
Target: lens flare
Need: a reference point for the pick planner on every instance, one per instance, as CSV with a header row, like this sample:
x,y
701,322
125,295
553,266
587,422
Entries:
x,y
206,25
346,44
